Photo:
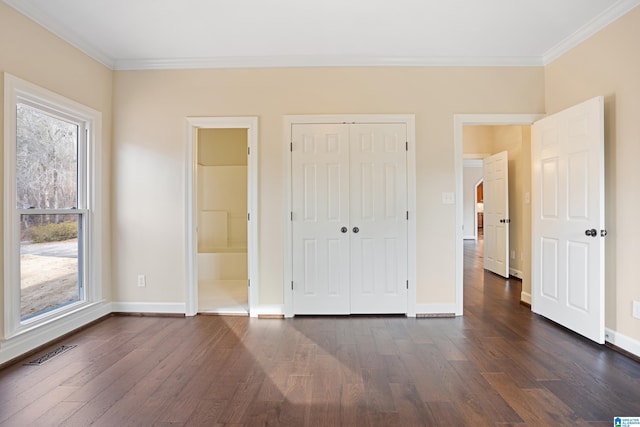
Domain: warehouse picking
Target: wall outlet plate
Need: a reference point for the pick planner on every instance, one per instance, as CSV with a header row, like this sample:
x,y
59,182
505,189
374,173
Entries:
x,y
636,309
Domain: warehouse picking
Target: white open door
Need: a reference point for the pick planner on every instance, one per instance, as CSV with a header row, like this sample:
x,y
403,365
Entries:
x,y
568,218
496,213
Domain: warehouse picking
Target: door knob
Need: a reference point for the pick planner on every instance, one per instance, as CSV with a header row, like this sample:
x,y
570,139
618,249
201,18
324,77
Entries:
x,y
344,229
356,229
591,232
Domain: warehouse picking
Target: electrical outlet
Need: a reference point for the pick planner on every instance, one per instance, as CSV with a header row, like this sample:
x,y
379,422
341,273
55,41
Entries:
x,y
142,281
636,309
513,254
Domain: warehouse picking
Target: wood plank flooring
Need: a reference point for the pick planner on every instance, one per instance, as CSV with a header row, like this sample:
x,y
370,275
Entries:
x,y
498,365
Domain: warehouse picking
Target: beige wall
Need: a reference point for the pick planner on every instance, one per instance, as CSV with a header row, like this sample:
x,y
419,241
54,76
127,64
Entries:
x,y
31,53
222,147
149,156
477,141
609,64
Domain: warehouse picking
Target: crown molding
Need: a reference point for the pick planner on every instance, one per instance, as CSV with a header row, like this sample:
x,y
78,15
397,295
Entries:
x,y
472,163
610,15
613,13
322,61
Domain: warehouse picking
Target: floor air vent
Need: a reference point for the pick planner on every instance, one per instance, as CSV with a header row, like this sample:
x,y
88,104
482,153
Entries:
x,y
53,353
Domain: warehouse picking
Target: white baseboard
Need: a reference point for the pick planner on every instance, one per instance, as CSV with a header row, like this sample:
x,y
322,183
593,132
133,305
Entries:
x,y
427,309
149,307
267,310
515,273
525,297
624,342
30,340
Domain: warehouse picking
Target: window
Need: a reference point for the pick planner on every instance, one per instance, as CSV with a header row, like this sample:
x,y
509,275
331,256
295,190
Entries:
x,y
51,219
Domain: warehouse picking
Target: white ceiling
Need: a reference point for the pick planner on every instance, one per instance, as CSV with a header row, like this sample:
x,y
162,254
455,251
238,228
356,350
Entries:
x,y
147,34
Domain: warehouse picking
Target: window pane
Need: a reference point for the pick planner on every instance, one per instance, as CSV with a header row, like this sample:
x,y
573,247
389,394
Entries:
x,y
49,273
46,161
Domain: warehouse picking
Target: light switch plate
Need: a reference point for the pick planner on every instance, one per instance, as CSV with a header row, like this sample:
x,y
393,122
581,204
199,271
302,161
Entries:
x,y
448,198
636,309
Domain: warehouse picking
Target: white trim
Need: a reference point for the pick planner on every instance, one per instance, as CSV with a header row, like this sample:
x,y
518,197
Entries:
x,y
21,344
268,310
459,121
525,297
325,61
149,307
16,89
475,156
472,162
427,309
624,342
409,121
613,13
515,273
192,125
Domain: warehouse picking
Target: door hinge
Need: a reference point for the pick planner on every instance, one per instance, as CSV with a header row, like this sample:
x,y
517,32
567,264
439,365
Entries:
x,y
407,145
407,284
291,215
407,215
248,151
292,285
291,147
248,216
249,283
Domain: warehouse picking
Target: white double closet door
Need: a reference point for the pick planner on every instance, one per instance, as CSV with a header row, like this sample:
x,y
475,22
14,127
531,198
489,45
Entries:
x,y
349,218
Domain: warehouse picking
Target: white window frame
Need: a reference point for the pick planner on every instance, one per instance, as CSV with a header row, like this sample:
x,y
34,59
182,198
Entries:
x,y
20,91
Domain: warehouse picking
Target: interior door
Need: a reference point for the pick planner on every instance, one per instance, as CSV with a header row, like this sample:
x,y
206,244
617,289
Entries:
x,y
496,213
349,199
378,218
320,201
568,218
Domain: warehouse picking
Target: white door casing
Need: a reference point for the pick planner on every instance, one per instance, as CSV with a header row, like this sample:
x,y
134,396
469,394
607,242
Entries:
x,y
496,213
568,218
374,272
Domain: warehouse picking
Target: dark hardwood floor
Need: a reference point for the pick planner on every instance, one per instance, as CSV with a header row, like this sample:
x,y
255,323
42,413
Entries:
x,y
499,364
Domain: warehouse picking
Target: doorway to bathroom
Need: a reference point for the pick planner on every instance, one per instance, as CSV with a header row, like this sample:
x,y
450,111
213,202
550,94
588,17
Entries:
x,y
221,215
222,221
